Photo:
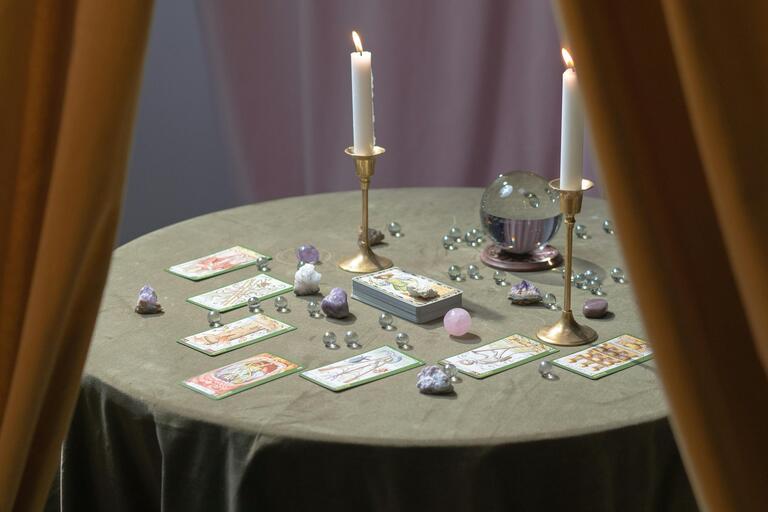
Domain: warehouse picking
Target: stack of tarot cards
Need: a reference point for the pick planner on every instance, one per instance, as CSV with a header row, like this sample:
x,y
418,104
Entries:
x,y
395,291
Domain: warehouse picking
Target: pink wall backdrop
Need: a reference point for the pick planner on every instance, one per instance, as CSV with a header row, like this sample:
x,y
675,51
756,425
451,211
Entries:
x,y
463,90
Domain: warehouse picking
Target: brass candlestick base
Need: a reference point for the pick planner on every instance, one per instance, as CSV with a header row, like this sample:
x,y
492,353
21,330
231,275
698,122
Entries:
x,y
365,260
567,331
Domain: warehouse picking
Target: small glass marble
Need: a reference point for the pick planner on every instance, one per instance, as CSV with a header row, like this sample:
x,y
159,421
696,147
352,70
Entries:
x,y
329,340
455,233
580,281
449,243
300,264
589,274
598,290
608,227
313,308
454,272
452,372
402,340
263,263
352,339
618,275
580,230
533,199
254,304
385,321
500,278
281,304
545,370
473,271
550,301
395,229
214,318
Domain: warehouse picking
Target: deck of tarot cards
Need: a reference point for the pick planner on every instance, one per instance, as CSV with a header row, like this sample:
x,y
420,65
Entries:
x,y
413,297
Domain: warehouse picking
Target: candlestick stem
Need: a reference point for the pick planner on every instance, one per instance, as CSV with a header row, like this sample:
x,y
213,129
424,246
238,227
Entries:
x,y
567,331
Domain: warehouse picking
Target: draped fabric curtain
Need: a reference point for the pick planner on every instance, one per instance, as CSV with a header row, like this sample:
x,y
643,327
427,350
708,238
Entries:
x,y
677,96
69,75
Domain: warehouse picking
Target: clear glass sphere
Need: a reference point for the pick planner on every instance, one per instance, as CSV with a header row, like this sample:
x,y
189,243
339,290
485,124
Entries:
x,y
352,339
473,271
454,272
313,308
385,321
281,303
617,274
214,318
254,304
394,229
608,227
402,339
500,277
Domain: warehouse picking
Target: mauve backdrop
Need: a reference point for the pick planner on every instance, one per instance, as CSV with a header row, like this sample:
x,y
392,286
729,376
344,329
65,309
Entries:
x,y
247,100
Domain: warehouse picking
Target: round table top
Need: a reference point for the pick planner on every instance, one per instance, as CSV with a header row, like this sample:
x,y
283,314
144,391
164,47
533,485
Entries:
x,y
140,357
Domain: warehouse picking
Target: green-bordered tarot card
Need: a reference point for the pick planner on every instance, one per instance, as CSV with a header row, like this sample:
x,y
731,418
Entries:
x,y
363,368
236,295
500,355
237,334
236,377
608,357
217,263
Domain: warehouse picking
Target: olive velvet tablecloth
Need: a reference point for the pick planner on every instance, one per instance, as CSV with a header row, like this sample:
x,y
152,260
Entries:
x,y
513,441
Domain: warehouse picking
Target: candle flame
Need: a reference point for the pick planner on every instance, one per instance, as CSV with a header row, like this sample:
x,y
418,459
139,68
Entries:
x,y
358,42
567,58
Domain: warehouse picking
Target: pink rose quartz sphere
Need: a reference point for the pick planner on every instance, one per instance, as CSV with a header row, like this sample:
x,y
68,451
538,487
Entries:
x,y
457,322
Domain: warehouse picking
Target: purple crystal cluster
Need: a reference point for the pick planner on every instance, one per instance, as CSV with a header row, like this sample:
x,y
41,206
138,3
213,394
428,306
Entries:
x,y
434,380
147,303
524,293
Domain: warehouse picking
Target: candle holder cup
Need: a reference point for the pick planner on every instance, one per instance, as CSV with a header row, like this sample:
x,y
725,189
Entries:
x,y
566,331
365,260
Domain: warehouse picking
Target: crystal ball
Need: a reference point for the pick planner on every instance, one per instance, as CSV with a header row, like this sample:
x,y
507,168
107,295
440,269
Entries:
x,y
308,254
457,322
520,211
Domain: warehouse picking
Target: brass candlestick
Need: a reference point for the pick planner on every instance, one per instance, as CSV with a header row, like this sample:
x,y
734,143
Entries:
x,y
365,260
567,331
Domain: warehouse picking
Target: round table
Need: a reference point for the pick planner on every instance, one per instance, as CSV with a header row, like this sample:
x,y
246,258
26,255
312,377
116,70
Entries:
x,y
141,441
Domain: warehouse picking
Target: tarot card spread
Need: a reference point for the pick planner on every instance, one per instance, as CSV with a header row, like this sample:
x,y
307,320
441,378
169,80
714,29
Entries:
x,y
354,371
242,375
500,355
608,357
236,295
217,263
237,334
394,283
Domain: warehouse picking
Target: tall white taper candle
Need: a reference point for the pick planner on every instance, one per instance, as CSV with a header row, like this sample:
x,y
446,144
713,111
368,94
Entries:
x,y
571,130
362,99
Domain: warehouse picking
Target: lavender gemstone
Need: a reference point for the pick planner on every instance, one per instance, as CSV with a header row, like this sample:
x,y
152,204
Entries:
x,y
595,308
524,293
308,254
434,380
147,303
335,304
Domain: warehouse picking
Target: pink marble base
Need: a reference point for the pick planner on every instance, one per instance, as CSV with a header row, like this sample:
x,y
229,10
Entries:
x,y
544,258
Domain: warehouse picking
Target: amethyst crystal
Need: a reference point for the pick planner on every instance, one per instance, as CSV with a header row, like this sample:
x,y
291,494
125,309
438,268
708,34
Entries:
x,y
308,254
375,237
595,308
524,293
434,380
335,304
147,303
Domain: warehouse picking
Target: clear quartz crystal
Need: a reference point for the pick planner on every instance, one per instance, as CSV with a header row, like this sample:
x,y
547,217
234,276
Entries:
x,y
618,275
449,243
402,340
473,271
281,304
263,263
313,308
454,272
500,278
214,318
395,229
550,301
608,227
580,230
385,321
254,304
352,339
329,340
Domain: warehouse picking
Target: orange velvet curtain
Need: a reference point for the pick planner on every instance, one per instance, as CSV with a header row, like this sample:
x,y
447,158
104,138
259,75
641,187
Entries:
x,y
677,98
69,78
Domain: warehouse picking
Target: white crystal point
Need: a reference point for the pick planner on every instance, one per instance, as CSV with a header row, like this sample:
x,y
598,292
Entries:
x,y
422,290
306,281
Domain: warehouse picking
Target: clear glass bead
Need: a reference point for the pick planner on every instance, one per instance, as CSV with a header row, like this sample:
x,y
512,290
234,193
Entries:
x,y
455,233
580,281
454,272
352,339
281,304
254,304
598,290
394,229
214,318
329,340
385,321
545,369
618,275
402,340
473,271
263,263
500,278
451,371
588,274
608,227
313,308
550,301
449,243
580,230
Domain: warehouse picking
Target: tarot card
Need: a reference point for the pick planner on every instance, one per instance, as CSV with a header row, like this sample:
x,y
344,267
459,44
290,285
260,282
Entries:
x,y
236,377
499,355
236,295
608,357
238,334
361,369
393,283
218,263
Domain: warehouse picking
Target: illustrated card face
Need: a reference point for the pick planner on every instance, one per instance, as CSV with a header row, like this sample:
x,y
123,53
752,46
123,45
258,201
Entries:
x,y
217,263
236,295
608,357
237,334
500,355
236,377
395,281
360,369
